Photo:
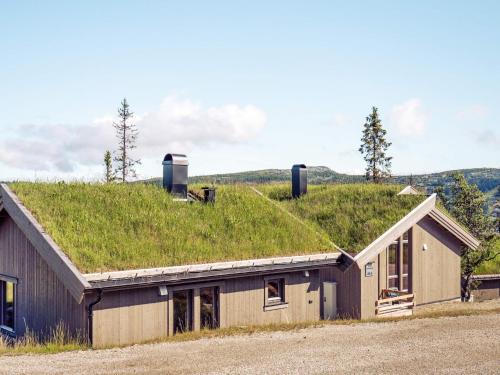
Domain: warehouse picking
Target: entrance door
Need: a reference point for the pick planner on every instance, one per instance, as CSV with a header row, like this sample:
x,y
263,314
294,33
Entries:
x,y
329,300
183,307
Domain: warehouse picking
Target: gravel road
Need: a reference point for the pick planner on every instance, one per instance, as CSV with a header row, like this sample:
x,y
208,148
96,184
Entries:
x,y
461,345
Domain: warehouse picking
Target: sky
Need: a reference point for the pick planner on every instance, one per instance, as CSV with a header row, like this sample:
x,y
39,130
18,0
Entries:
x,y
247,85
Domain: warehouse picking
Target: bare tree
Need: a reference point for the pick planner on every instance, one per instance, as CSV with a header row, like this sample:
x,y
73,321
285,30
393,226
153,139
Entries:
x,y
127,133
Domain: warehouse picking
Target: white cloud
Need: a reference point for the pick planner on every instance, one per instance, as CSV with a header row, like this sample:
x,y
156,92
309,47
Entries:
x,y
409,117
473,113
488,137
178,125
340,120
181,125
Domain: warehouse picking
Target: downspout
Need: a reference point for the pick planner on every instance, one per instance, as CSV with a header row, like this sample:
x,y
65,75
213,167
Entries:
x,y
91,315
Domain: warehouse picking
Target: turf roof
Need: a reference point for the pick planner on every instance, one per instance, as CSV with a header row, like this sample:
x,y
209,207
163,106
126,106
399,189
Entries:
x,y
118,227
352,215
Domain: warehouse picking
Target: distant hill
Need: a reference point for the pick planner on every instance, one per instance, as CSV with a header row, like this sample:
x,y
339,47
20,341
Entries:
x,y
487,179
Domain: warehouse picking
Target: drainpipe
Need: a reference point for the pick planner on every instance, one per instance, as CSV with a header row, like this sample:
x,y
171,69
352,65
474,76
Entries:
x,y
91,314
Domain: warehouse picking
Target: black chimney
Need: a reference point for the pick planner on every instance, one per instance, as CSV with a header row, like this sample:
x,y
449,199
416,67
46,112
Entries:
x,y
175,175
208,194
299,180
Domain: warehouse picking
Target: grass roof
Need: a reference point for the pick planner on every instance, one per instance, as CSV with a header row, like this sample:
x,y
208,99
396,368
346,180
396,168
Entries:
x,y
125,226
352,215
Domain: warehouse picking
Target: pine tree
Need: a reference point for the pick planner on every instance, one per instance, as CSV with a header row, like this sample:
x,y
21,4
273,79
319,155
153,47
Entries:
x,y
127,133
467,205
374,149
109,175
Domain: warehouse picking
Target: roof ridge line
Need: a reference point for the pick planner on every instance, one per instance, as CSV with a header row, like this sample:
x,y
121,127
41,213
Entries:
x,y
276,204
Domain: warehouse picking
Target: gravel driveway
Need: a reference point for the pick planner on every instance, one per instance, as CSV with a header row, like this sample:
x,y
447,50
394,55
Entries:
x,y
467,344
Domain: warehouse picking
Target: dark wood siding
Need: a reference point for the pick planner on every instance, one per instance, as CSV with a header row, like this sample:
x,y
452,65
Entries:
x,y
42,301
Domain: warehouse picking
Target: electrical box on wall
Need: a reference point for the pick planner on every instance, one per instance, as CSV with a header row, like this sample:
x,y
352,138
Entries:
x,y
162,290
369,269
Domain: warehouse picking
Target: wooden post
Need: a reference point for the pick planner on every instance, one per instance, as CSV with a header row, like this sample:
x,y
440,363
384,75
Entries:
x,y
170,312
222,305
196,309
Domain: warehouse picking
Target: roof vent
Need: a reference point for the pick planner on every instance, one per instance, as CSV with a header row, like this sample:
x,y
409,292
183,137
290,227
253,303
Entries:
x,y
175,175
299,180
208,194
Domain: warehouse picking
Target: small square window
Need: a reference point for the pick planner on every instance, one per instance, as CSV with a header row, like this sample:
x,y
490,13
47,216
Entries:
x,y
275,291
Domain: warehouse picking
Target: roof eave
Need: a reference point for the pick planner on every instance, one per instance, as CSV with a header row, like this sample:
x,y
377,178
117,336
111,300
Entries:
x,y
61,265
193,273
397,230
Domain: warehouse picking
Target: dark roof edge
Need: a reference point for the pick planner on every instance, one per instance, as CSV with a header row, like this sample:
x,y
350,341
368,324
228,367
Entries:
x,y
184,274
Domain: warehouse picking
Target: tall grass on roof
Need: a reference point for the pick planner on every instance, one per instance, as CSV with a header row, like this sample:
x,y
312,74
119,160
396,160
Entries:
x,y
353,215
126,226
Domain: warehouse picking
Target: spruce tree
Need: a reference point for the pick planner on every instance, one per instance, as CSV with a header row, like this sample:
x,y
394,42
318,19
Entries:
x,y
109,175
467,205
127,133
374,146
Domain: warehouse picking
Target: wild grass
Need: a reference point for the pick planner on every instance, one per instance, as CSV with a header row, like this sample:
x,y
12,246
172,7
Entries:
x,y
353,215
58,340
126,226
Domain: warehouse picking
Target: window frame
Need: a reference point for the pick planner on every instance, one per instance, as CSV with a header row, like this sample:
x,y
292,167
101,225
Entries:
x,y
405,238
396,263
3,281
275,302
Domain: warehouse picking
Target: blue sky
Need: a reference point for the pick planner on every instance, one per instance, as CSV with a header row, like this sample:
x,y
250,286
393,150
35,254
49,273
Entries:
x,y
248,85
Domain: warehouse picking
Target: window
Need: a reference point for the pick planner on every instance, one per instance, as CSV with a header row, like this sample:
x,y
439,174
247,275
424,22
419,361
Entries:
x,y
404,273
183,302
398,264
275,291
7,304
393,266
209,308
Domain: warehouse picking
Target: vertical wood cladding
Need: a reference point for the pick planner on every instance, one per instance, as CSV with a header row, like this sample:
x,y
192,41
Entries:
x,y
42,301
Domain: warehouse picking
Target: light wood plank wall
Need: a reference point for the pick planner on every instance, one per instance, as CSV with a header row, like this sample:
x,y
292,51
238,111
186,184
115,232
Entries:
x,y
42,301
131,316
348,289
435,273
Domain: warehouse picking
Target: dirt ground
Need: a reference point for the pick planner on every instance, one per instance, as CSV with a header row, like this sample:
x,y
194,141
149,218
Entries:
x,y
460,345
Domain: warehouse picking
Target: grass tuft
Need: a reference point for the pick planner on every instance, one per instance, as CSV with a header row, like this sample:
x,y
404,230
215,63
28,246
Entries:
x,y
58,340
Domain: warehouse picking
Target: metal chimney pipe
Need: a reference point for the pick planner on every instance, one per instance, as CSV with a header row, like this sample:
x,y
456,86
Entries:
x,y
175,175
299,180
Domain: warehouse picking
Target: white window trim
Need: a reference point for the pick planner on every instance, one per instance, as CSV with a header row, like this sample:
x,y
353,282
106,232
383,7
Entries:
x,y
276,303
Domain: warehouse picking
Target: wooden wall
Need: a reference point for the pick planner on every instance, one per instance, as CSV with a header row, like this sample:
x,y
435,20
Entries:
x,y
487,289
244,300
436,271
42,301
130,316
348,289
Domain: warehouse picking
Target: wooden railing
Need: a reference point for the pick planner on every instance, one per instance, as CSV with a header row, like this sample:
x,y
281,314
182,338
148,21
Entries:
x,y
394,303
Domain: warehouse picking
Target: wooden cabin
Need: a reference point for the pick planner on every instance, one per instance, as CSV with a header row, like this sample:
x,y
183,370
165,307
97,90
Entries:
x,y
120,272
